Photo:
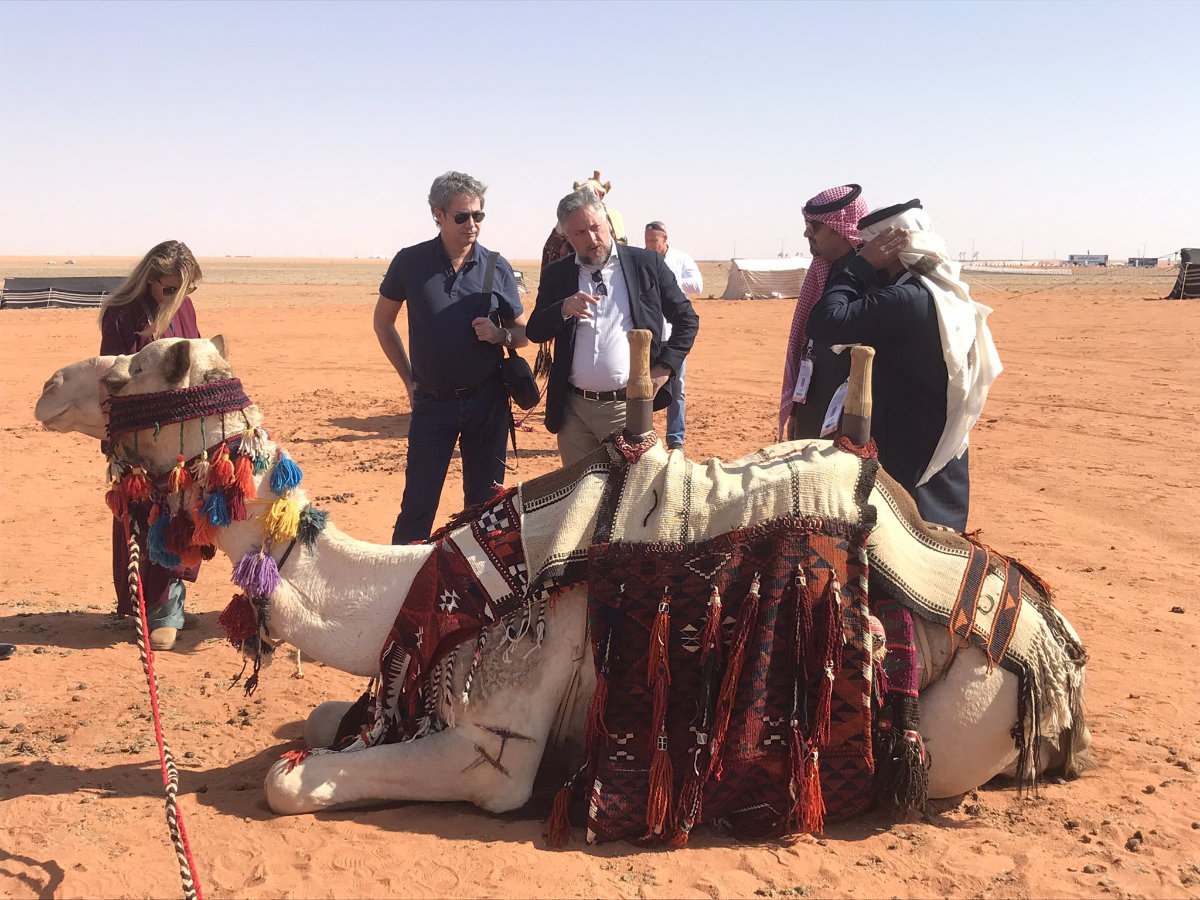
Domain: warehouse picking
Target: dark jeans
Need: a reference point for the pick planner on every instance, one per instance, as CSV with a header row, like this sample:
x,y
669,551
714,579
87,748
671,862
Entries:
x,y
479,425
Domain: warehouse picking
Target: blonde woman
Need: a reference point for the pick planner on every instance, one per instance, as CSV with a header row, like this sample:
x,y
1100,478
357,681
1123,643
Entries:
x,y
153,303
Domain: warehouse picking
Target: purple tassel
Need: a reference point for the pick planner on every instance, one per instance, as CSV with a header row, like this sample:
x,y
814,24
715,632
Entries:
x,y
257,574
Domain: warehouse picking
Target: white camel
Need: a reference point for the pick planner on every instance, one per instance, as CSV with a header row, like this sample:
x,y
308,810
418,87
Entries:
x,y
337,602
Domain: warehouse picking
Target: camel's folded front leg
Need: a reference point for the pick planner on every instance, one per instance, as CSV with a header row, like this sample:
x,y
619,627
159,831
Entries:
x,y
491,767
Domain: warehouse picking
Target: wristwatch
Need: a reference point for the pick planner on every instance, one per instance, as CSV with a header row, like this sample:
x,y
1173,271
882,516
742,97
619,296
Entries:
x,y
507,342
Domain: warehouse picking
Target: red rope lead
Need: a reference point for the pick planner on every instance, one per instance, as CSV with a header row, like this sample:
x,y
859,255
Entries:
x,y
183,850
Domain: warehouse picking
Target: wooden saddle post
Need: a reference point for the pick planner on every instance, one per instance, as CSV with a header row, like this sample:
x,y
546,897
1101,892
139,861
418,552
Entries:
x,y
856,414
639,393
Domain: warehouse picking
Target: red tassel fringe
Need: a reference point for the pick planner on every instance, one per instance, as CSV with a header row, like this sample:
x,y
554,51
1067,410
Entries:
x,y
733,672
220,472
593,729
243,470
236,501
239,619
658,677
295,757
558,826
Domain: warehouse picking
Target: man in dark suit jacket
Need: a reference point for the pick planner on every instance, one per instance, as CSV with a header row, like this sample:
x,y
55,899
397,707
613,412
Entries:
x,y
586,304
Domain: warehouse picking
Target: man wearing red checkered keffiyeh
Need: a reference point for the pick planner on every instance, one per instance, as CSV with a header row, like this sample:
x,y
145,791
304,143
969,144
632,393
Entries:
x,y
831,226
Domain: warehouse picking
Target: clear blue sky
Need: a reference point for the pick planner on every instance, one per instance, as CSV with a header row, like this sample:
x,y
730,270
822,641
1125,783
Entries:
x,y
315,129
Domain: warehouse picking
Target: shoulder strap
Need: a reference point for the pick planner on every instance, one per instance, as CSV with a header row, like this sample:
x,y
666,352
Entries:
x,y
489,273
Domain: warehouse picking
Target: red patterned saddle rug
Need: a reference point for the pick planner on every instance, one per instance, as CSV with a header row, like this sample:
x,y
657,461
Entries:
x,y
734,684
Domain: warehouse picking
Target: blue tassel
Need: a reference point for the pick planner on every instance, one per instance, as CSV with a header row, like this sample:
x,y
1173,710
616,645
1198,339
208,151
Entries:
x,y
216,509
156,544
286,474
260,463
312,523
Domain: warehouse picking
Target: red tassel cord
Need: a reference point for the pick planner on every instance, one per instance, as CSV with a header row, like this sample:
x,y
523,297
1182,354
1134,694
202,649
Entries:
x,y
243,476
220,471
712,652
558,826
594,731
831,653
239,619
136,485
658,677
295,757
733,672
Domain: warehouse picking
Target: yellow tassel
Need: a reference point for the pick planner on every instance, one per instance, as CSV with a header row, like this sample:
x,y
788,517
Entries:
x,y
283,519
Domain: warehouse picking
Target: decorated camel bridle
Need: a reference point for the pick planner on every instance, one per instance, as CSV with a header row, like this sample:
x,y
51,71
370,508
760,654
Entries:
x,y
180,512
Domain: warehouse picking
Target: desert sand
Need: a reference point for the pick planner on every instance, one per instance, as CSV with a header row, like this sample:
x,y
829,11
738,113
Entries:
x,y
1082,466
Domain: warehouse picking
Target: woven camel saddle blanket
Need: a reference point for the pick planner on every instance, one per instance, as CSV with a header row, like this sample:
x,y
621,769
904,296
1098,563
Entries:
x,y
633,523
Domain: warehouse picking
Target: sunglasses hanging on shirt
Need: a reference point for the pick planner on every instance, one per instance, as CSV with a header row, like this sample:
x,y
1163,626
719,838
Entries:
x,y
601,287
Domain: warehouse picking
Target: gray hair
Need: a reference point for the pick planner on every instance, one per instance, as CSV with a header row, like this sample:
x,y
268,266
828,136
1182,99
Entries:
x,y
449,185
575,201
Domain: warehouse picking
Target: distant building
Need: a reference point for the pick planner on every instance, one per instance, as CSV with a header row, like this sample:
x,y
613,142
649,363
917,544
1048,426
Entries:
x,y
1143,262
1087,259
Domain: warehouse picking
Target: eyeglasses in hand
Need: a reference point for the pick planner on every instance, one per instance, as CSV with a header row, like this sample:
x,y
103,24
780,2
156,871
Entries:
x,y
461,218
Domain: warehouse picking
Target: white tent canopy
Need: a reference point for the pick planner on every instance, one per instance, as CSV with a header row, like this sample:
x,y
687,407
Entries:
x,y
762,279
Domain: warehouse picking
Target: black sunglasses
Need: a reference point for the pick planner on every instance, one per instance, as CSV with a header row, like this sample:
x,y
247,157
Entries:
x,y
461,218
169,291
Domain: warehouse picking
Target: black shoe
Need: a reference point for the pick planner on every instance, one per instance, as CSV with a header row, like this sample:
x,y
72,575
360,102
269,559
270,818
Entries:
x,y
7,650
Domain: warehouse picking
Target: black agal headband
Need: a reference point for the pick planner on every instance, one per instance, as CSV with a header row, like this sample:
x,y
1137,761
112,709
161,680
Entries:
x,y
886,213
820,209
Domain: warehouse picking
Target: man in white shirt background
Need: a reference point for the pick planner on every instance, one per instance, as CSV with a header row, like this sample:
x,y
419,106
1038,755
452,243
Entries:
x,y
687,274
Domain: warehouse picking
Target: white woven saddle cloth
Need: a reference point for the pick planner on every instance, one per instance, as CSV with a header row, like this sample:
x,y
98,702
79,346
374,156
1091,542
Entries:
x,y
985,598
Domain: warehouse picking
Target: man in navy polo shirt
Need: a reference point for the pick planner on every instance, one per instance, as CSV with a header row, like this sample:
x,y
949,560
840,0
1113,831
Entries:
x,y
457,338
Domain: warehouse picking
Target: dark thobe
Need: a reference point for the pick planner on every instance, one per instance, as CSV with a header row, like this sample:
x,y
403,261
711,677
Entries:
x,y
121,332
897,317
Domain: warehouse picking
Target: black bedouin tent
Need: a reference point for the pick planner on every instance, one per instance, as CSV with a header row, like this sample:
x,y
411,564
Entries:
x,y
64,291
1187,285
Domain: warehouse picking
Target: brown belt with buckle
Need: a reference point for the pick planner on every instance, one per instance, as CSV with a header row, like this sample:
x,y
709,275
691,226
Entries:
x,y
618,394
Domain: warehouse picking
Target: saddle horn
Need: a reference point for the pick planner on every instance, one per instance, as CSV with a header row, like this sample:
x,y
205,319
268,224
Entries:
x,y
639,393
856,413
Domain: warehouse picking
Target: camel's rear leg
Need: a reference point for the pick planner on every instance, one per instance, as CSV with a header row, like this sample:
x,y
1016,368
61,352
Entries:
x,y
967,718
322,724
491,768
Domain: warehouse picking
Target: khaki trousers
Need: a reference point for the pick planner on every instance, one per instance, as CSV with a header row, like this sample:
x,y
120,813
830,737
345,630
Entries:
x,y
586,423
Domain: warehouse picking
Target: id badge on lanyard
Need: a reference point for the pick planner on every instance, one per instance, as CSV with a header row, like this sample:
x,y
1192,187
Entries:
x,y
804,378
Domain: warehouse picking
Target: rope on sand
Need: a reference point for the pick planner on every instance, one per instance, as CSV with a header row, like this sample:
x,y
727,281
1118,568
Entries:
x,y
183,851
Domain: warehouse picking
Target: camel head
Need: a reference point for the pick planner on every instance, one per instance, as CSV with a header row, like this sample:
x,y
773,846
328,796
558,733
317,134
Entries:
x,y
170,364
73,398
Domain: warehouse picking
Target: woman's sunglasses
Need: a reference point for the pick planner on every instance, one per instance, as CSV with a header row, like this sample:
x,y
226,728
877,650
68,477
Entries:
x,y
461,218
170,291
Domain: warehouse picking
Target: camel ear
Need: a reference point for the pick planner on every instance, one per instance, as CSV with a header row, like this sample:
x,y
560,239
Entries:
x,y
607,186
218,341
577,184
178,362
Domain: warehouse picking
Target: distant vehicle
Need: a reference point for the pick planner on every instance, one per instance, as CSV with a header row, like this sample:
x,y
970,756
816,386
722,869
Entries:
x,y
1087,259
69,262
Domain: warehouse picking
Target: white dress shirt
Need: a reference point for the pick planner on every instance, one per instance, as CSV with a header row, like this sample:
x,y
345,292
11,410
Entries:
x,y
687,273
601,360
